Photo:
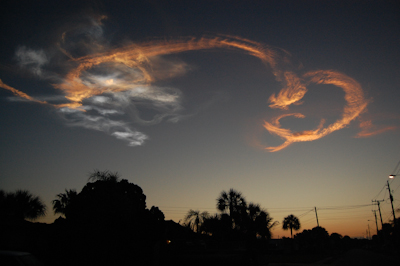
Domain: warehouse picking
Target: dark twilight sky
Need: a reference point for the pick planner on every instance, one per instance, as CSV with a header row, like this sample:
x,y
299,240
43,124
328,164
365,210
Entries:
x,y
293,103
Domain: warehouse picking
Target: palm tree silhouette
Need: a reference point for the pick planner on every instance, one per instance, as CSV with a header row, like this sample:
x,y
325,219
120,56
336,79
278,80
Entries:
x,y
258,221
63,202
234,202
253,210
195,219
291,222
263,224
106,175
21,205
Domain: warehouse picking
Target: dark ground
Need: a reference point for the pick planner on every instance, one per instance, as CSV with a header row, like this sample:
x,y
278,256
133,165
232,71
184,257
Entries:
x,y
365,257
355,257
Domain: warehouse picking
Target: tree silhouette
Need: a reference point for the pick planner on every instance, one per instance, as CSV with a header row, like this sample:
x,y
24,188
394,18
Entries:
x,y
195,219
253,210
109,216
263,224
63,202
105,175
157,213
335,240
314,239
234,202
218,225
257,221
21,205
291,222
108,201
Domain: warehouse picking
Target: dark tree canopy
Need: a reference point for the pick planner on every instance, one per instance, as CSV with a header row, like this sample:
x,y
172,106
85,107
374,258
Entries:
x,y
195,219
106,175
21,205
63,202
243,219
219,226
316,238
109,213
234,202
157,213
109,201
291,222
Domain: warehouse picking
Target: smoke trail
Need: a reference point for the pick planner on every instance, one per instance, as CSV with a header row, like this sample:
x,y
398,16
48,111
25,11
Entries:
x,y
104,83
354,97
19,94
368,129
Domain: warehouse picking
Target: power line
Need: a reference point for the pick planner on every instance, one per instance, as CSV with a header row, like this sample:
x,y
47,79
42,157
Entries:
x,y
344,207
397,167
304,214
344,212
308,221
396,188
341,219
380,191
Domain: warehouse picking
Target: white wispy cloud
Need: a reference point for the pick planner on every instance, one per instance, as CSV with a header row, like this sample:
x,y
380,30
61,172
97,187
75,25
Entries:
x,y
33,60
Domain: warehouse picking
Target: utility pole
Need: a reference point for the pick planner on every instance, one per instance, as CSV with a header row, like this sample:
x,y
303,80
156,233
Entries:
x,y
379,208
380,215
391,201
369,232
376,222
316,215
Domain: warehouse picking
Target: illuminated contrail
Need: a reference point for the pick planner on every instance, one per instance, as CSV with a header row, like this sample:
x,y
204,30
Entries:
x,y
369,129
355,105
103,84
136,60
18,93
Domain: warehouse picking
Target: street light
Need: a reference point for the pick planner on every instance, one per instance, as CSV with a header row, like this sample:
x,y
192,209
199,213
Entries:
x,y
394,173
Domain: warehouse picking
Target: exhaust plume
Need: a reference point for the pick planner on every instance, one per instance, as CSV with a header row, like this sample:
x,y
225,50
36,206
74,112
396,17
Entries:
x,y
354,97
100,83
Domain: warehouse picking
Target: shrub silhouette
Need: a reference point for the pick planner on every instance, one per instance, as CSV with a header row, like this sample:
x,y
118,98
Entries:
x,y
108,223
20,205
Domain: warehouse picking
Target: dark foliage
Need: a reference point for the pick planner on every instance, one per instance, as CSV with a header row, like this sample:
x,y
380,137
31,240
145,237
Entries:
x,y
20,205
291,222
195,219
239,220
315,239
108,223
63,202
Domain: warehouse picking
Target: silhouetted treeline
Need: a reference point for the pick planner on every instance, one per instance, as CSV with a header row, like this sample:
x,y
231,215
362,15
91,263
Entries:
x,y
237,220
108,223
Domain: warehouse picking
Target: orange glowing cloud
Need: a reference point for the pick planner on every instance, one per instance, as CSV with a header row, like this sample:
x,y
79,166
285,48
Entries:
x,y
294,92
100,84
18,93
136,63
369,129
